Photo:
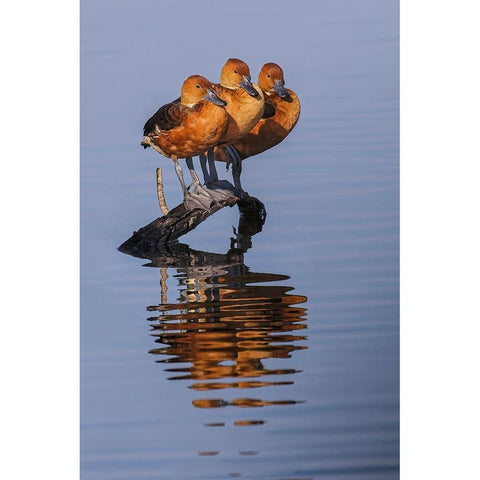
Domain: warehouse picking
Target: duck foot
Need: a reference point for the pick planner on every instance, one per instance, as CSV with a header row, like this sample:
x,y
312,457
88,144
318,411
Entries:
x,y
221,189
220,195
199,201
216,194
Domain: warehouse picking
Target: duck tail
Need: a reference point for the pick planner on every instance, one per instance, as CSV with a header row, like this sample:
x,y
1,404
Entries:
x,y
146,142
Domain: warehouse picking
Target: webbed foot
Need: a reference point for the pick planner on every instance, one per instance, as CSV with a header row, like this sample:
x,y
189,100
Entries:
x,y
193,201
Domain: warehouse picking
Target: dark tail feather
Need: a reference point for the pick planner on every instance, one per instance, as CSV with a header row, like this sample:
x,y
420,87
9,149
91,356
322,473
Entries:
x,y
145,143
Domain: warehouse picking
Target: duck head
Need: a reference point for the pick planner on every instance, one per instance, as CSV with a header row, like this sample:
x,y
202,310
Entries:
x,y
236,74
197,88
271,80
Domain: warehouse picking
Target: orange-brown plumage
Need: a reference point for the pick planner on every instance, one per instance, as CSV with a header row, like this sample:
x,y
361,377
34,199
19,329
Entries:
x,y
189,125
244,109
280,116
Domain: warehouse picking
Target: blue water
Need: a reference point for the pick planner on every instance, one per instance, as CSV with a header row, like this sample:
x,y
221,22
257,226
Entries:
x,y
297,376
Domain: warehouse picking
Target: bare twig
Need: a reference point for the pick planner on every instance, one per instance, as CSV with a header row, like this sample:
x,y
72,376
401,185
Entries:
x,y
160,194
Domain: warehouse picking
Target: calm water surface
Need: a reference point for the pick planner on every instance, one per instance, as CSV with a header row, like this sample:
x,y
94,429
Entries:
x,y
250,351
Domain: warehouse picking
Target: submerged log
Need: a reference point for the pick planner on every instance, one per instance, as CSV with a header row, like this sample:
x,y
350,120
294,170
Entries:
x,y
180,220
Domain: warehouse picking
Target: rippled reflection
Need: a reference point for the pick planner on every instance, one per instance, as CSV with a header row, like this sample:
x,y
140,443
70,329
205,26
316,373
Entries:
x,y
224,327
226,322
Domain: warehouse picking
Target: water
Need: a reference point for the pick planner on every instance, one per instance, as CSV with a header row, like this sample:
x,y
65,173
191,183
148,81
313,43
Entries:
x,y
286,362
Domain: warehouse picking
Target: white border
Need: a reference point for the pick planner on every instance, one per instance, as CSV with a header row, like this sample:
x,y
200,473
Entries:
x,y
440,239
40,239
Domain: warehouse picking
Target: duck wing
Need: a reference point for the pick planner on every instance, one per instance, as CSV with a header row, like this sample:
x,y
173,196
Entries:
x,y
166,117
269,110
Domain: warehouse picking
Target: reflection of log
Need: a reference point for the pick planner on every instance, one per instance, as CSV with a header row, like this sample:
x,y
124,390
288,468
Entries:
x,y
180,255
179,221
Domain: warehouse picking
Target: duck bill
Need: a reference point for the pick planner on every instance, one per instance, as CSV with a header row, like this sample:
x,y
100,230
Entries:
x,y
211,96
280,90
246,84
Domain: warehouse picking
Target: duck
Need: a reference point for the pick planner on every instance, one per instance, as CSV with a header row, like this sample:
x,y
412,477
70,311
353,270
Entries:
x,y
245,107
186,127
281,113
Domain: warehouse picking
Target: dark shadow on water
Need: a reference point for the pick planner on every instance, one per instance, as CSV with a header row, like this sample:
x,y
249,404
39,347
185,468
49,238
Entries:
x,y
227,323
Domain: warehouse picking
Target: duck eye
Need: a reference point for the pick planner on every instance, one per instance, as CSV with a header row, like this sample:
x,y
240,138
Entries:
x,y
235,71
268,75
198,86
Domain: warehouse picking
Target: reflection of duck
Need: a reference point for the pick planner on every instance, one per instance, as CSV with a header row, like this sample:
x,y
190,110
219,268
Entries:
x,y
225,327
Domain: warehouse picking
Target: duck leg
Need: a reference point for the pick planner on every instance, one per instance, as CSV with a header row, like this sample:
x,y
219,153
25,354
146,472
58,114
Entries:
x,y
196,181
211,166
215,194
223,186
213,189
236,169
199,194
203,165
178,171
191,200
